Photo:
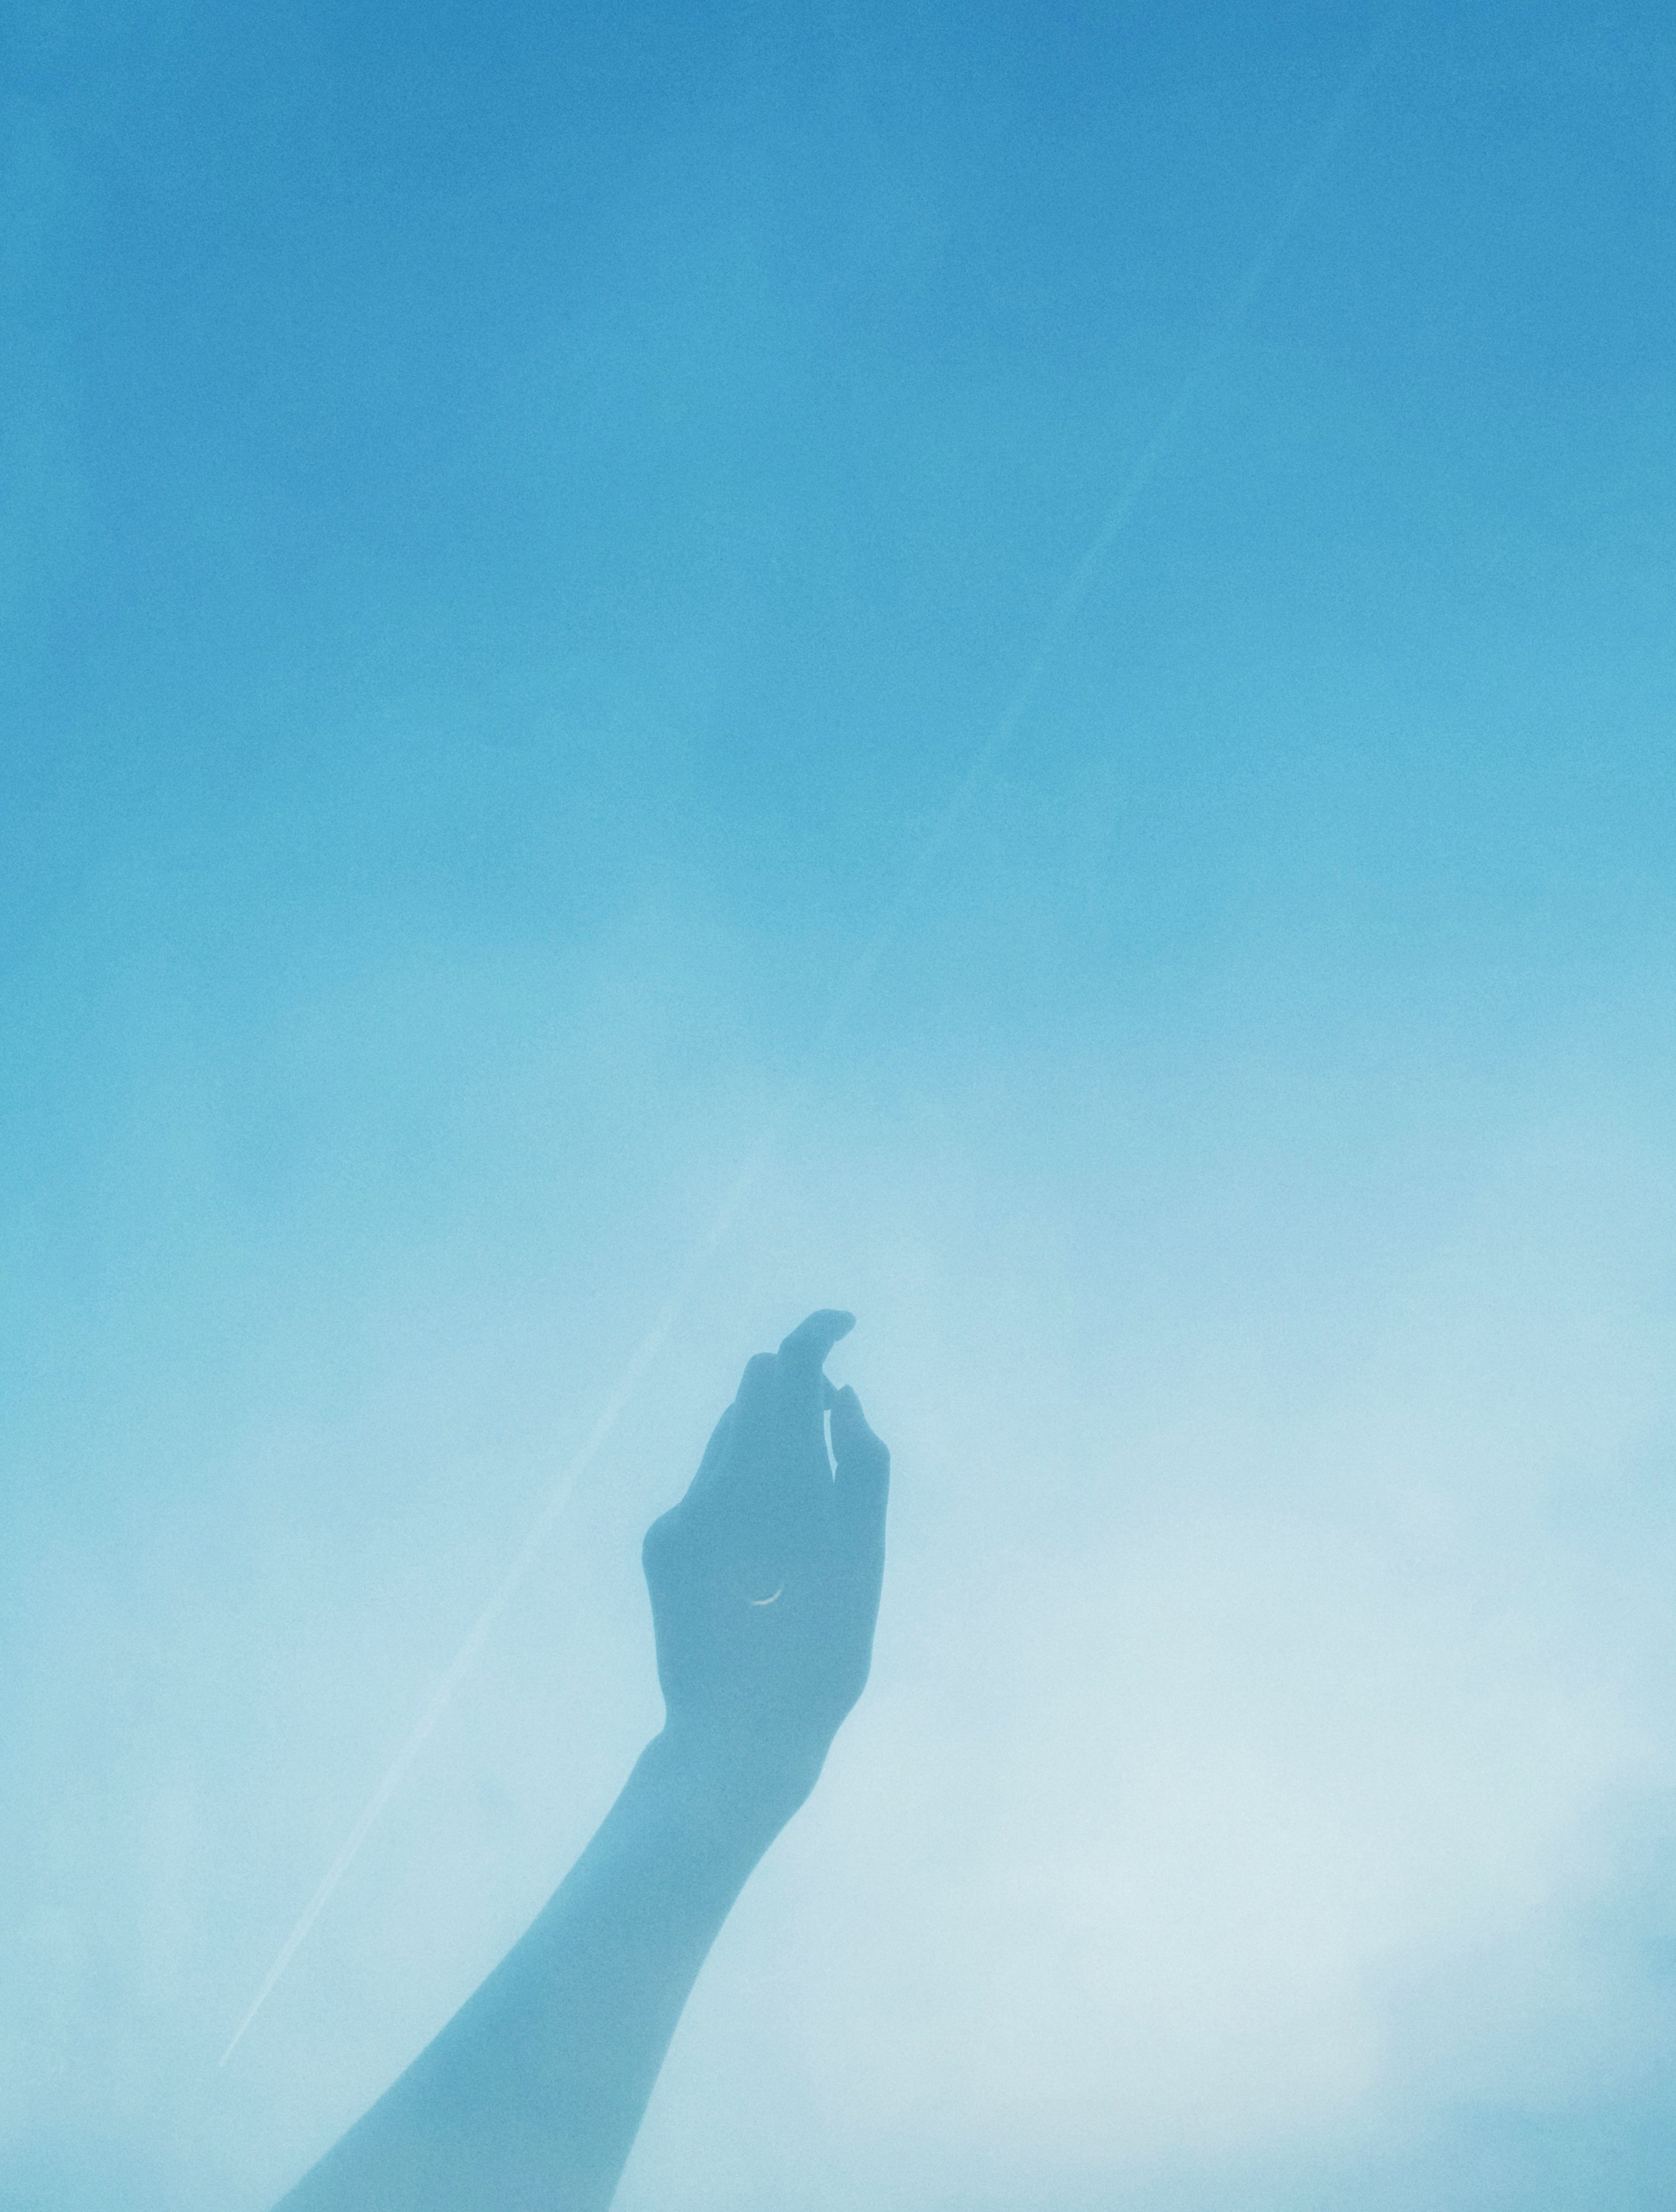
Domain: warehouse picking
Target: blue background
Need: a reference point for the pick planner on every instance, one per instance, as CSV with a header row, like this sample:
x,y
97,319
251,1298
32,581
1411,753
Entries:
x,y
513,526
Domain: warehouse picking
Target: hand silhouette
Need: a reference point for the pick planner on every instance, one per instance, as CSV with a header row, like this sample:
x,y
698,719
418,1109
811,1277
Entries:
x,y
764,1580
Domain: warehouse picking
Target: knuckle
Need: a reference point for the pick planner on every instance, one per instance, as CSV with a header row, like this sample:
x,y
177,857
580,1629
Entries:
x,y
659,1537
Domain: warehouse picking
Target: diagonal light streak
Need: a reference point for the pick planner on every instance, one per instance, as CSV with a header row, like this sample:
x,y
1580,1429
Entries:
x,y
640,1359
1072,597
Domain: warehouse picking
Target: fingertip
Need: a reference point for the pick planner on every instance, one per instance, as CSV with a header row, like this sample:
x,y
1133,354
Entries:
x,y
758,1378
818,1333
851,1422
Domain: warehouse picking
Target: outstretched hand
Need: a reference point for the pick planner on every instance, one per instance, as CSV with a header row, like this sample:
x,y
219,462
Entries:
x,y
764,1580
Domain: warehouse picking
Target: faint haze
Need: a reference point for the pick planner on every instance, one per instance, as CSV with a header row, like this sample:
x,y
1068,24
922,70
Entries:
x,y
511,529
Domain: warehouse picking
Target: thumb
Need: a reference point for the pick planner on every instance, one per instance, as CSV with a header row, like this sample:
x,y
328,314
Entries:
x,y
861,1480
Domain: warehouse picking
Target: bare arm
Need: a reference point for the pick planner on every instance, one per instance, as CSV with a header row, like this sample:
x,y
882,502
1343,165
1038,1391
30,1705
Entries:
x,y
764,1583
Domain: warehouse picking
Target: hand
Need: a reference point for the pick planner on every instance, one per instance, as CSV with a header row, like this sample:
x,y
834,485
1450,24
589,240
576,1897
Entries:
x,y
765,1579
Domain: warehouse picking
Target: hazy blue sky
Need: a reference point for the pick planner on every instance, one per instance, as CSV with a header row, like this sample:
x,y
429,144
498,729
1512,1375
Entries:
x,y
513,524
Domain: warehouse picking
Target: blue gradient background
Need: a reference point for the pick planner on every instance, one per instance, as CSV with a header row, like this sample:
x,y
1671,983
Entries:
x,y
512,526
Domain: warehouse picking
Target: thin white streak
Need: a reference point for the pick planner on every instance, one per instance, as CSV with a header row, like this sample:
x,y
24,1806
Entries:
x,y
845,999
627,1382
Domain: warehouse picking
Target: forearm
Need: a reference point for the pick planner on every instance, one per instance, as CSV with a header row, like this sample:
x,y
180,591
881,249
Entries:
x,y
532,2094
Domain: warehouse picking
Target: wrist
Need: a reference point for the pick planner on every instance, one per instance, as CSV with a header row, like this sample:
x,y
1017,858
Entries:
x,y
734,1780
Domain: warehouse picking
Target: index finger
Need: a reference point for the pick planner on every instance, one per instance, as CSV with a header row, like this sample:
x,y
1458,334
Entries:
x,y
812,1339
